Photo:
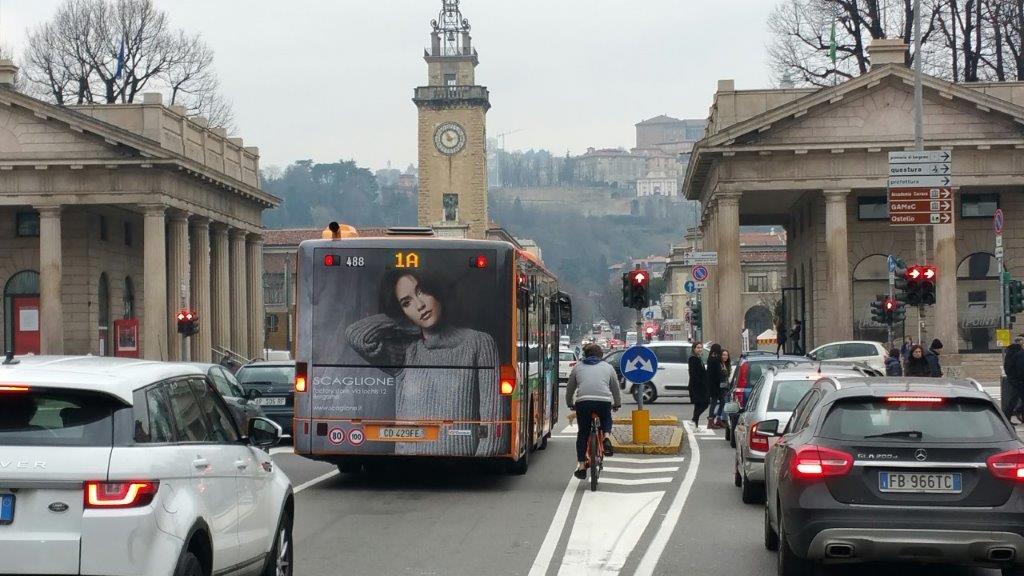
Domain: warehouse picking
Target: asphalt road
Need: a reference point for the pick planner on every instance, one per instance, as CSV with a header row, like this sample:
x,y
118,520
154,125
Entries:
x,y
651,516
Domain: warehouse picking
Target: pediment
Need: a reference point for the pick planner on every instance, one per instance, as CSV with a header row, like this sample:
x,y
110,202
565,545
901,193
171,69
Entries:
x,y
25,135
885,113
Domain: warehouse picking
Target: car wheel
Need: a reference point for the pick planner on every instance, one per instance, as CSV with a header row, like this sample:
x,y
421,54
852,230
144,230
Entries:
x,y
732,437
280,561
650,393
771,537
736,478
789,564
752,493
189,566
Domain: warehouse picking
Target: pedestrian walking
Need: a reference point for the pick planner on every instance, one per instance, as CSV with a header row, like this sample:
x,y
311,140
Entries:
x,y
780,338
933,358
917,364
698,383
796,335
892,363
1013,367
718,397
714,380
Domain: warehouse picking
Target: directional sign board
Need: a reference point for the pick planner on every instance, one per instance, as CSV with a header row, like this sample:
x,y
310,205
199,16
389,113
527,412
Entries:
x,y
690,286
920,188
694,258
638,364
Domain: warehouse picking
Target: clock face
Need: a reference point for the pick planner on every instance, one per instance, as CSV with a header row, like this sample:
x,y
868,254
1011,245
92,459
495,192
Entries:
x,y
449,138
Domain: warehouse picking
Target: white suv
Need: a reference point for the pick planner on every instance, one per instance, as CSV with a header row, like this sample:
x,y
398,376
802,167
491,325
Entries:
x,y
871,353
127,467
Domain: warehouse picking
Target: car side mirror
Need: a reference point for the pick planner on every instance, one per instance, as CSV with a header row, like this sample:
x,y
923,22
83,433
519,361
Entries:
x,y
264,433
732,408
252,394
812,356
768,427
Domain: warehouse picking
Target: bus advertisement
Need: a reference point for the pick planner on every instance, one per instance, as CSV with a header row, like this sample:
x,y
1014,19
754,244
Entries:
x,y
413,346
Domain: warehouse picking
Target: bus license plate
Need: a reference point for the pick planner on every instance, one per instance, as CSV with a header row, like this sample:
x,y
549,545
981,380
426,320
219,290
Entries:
x,y
402,433
6,509
270,401
921,482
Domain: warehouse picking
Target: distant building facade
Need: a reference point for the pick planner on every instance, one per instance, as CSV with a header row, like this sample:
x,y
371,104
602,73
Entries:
x,y
614,166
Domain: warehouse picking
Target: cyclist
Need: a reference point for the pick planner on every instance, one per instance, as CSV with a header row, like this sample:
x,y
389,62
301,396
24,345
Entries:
x,y
593,387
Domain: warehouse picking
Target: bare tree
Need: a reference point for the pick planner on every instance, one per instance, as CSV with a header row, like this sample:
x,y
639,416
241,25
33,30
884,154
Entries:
x,y
107,51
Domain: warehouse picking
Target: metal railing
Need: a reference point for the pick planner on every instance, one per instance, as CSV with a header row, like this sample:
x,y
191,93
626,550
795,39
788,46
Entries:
x,y
428,93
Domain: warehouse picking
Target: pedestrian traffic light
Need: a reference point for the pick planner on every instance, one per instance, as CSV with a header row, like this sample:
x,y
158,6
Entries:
x,y
878,312
929,275
1016,296
639,281
188,322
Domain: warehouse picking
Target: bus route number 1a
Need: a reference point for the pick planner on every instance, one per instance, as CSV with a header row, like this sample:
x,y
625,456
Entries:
x,y
407,260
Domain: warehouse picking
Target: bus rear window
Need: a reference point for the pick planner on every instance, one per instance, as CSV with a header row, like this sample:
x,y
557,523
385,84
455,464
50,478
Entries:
x,y
42,417
952,419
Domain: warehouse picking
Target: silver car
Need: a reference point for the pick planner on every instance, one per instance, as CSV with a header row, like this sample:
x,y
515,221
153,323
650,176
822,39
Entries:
x,y
773,398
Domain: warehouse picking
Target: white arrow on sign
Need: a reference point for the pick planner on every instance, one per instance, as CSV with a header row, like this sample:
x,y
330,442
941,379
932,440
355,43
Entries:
x,y
919,157
918,169
919,181
639,363
944,218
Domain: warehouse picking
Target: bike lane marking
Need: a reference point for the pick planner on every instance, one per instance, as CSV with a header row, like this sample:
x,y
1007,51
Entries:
x,y
606,529
547,548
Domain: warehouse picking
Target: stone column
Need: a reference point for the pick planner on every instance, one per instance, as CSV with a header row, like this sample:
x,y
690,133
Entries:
x,y
51,281
155,320
201,273
220,307
710,294
178,272
239,300
839,287
947,322
730,278
257,311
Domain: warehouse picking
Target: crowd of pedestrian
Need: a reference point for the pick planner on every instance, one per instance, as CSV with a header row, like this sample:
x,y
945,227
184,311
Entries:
x,y
709,384
911,359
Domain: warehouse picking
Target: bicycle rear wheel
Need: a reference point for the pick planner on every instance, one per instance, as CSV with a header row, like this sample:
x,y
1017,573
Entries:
x,y
595,460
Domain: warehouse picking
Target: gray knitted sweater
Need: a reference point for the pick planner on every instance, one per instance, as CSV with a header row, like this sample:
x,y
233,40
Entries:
x,y
450,374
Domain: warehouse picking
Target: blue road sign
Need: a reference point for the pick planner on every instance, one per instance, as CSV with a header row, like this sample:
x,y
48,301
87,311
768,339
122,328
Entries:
x,y
648,314
699,272
638,364
690,286
892,263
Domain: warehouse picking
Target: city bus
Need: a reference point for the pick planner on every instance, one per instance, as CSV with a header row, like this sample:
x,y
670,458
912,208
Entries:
x,y
411,346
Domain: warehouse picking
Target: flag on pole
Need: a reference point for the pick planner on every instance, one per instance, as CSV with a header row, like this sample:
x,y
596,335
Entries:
x,y
832,44
120,62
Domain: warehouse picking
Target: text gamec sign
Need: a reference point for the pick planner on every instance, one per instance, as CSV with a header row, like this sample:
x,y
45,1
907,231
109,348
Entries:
x,y
920,188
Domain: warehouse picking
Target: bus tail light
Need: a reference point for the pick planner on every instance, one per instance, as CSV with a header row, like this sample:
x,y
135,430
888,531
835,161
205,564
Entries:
x,y
129,494
507,380
300,376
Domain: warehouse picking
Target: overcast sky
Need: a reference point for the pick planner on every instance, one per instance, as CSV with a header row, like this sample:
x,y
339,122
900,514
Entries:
x,y
330,79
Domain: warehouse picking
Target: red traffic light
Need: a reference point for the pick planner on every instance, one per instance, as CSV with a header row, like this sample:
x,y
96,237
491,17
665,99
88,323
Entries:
x,y
650,329
639,277
915,272
890,304
929,272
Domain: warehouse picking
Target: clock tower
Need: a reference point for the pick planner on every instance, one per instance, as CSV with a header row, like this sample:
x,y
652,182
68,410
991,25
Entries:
x,y
452,131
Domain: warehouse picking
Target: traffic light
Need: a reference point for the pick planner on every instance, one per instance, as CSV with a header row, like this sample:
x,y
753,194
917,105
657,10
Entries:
x,y
639,297
913,276
626,293
695,318
1016,296
878,312
929,276
900,274
649,333
899,311
188,323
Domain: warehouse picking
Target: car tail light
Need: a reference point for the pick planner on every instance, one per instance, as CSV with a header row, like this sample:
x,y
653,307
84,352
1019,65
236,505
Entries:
x,y
741,378
128,494
814,462
300,376
507,380
572,364
757,441
914,399
1007,465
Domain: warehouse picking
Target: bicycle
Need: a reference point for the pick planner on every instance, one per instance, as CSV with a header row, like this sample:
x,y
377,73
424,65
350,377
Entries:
x,y
595,446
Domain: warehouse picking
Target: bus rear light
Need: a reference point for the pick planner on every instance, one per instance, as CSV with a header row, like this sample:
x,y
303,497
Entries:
x,y
507,380
13,388
478,262
300,376
129,494
332,260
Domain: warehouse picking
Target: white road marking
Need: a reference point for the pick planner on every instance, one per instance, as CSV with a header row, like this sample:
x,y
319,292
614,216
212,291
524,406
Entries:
x,y
641,470
607,527
710,437
617,459
634,481
315,481
571,429
547,548
282,450
564,436
650,558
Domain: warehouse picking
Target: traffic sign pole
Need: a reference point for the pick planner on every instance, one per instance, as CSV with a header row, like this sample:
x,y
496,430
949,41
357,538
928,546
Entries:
x,y
997,224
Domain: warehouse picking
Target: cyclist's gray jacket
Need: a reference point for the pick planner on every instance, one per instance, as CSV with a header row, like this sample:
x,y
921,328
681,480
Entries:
x,y
592,380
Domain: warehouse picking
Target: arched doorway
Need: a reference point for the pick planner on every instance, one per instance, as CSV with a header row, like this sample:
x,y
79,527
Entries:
x,y
977,299
103,316
757,320
871,283
21,313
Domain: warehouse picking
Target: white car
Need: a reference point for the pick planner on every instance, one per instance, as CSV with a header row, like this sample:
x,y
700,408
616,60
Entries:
x,y
673,378
871,353
567,360
117,466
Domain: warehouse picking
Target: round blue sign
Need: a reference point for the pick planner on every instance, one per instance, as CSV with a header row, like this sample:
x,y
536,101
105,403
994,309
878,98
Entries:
x,y
638,364
690,286
699,273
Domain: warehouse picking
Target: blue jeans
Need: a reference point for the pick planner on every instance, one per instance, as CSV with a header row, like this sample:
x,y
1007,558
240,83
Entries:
x,y
584,409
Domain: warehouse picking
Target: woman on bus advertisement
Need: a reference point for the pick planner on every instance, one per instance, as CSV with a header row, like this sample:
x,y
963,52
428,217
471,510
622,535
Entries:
x,y
415,330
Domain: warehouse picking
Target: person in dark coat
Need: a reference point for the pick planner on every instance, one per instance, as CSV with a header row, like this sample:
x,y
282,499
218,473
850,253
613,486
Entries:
x,y
698,383
1013,367
715,378
892,363
796,335
917,364
780,338
933,358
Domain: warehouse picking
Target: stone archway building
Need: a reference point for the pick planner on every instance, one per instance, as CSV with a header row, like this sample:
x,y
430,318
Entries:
x,y
815,161
137,202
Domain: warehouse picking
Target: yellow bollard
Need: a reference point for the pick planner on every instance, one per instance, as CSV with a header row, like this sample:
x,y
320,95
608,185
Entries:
x,y
641,427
